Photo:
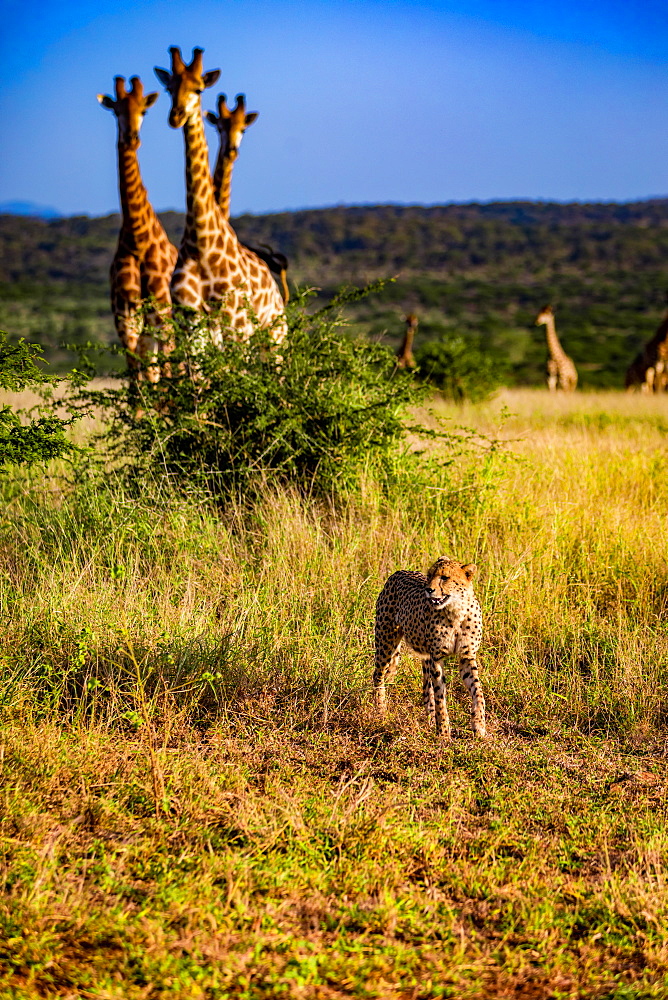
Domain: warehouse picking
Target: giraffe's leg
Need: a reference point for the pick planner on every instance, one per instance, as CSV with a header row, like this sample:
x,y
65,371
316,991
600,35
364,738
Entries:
x,y
190,313
217,325
279,329
440,708
126,307
552,376
166,339
156,340
158,267
128,324
388,646
468,668
147,350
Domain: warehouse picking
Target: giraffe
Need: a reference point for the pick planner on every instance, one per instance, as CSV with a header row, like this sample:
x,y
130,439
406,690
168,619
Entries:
x,y
561,372
649,369
144,259
231,123
405,357
214,273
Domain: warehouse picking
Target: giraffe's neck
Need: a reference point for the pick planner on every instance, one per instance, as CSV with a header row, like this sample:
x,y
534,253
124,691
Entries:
x,y
203,217
554,347
135,207
222,179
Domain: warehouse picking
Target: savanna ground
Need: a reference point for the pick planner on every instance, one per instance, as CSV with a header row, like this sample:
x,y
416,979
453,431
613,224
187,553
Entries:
x,y
198,802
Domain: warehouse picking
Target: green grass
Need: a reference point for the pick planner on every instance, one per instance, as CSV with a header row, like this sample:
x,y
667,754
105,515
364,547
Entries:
x,y
197,801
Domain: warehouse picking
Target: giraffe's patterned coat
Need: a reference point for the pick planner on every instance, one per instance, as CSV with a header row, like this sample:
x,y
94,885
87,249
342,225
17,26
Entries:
x,y
230,123
405,357
649,369
436,615
561,372
214,272
144,259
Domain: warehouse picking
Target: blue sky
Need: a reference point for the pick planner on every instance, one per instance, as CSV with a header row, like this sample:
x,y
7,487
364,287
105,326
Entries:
x,y
360,101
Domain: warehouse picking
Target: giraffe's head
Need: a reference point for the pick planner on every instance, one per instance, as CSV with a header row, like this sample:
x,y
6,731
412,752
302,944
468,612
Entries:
x,y
129,106
185,84
231,123
544,316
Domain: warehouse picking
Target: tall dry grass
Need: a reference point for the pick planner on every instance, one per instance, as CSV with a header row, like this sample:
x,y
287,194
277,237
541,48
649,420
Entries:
x,y
565,523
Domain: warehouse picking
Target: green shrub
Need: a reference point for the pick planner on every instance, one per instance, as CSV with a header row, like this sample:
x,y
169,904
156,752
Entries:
x,y
458,370
316,412
25,440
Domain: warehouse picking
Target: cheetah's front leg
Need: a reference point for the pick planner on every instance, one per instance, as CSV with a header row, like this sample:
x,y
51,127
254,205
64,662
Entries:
x,y
468,667
438,694
428,692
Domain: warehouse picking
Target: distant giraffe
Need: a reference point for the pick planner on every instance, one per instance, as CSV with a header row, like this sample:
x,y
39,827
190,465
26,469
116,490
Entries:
x,y
214,273
144,259
405,357
649,369
231,123
561,372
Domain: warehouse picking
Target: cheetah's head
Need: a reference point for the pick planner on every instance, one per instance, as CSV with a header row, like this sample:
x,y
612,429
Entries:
x,y
449,584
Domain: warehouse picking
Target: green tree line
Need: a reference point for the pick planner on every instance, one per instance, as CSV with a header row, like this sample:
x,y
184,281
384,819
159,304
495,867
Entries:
x,y
475,271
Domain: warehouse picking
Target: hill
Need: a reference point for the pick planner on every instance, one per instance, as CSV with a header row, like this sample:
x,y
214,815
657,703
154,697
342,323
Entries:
x,y
478,270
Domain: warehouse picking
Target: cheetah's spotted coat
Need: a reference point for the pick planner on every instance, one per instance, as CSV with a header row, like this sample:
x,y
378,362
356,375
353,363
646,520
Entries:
x,y
436,615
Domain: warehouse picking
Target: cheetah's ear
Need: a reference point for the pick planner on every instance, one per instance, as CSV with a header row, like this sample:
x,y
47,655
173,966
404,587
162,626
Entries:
x,y
470,570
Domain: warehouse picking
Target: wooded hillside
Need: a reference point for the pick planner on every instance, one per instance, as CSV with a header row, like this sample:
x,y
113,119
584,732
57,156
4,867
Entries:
x,y
481,271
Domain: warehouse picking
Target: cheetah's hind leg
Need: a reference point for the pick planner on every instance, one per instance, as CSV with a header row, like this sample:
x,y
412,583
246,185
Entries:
x,y
388,649
468,668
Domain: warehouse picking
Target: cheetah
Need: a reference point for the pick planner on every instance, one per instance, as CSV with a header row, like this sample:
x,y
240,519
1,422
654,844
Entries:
x,y
436,615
